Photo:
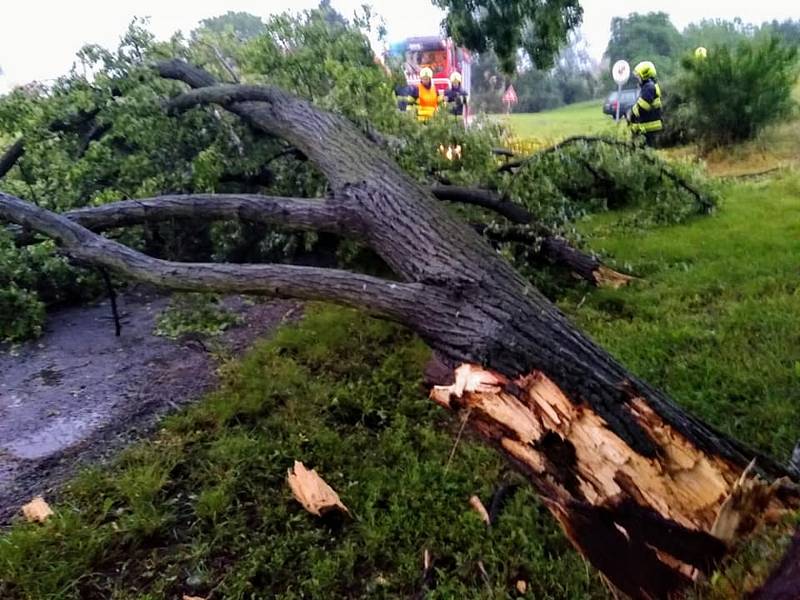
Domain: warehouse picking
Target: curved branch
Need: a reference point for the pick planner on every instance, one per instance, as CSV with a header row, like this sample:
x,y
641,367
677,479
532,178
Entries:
x,y
11,156
294,213
483,198
396,301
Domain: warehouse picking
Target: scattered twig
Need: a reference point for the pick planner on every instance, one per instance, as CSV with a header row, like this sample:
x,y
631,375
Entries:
x,y
486,580
458,439
112,296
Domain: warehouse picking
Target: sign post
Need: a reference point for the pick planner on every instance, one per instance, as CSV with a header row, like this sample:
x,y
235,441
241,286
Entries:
x,y
621,72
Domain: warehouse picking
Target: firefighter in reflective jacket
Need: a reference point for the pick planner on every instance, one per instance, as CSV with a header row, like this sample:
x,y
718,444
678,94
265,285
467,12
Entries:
x,y
425,95
456,96
645,116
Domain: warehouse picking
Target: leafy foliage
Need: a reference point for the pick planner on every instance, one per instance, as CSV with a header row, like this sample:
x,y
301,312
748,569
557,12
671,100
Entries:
x,y
735,92
32,277
650,36
538,28
561,185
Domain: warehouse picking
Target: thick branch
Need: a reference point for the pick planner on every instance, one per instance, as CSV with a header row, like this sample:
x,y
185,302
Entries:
x,y
485,199
11,156
386,298
293,213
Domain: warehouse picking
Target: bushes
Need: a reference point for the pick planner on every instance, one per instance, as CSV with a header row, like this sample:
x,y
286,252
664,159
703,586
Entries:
x,y
32,278
736,91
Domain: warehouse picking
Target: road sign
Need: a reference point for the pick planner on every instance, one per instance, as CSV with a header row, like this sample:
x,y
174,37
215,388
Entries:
x,y
621,72
509,98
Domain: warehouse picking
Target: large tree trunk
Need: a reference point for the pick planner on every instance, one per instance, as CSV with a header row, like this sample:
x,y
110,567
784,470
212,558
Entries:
x,y
649,494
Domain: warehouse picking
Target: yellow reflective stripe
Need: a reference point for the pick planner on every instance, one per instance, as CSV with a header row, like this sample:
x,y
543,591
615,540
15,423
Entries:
x,y
643,103
635,110
651,126
425,112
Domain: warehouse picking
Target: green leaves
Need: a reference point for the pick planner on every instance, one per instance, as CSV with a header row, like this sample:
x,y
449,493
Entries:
x,y
538,28
736,91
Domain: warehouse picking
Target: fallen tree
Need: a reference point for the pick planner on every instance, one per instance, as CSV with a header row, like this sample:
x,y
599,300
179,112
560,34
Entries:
x,y
652,496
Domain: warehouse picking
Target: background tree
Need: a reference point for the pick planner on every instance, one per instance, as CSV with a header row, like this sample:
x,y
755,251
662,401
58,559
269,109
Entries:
x,y
243,25
650,36
572,78
717,32
538,28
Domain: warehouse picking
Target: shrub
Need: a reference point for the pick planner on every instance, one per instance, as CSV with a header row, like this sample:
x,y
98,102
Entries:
x,y
736,91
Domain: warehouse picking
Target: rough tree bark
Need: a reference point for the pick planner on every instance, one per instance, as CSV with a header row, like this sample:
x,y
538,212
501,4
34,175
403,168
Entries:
x,y
649,494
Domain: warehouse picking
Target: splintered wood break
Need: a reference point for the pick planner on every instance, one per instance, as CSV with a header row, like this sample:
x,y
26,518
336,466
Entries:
x,y
570,451
310,490
606,277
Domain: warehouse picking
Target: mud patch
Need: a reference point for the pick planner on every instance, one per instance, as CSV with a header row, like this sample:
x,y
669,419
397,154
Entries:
x,y
79,393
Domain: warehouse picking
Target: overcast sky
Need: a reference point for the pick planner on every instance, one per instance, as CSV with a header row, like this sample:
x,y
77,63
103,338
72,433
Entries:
x,y
39,38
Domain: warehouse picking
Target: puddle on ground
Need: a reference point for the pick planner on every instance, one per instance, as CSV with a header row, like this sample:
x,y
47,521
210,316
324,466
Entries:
x,y
54,437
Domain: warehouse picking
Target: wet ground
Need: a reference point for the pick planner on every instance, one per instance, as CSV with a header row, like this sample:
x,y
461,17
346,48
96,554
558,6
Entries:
x,y
79,393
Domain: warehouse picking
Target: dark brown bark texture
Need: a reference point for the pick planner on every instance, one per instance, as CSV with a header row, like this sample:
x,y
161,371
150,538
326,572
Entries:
x,y
649,494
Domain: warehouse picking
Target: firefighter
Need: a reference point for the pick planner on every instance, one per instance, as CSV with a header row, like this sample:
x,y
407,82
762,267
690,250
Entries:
x,y
425,95
645,116
456,96
404,96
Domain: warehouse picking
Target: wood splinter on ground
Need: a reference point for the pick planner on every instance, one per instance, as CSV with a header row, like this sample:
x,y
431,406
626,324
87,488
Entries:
x,y
37,510
476,504
310,490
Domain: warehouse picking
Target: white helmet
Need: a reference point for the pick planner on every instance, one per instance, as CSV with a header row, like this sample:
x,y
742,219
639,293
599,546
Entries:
x,y
455,77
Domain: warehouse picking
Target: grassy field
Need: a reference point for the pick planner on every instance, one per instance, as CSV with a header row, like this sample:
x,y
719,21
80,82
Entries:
x,y
203,508
553,125
710,320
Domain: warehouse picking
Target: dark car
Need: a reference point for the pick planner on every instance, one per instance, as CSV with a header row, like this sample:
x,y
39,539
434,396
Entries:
x,y
627,100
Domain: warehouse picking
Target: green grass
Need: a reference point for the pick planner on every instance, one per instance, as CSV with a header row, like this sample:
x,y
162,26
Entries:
x,y
582,118
713,321
204,508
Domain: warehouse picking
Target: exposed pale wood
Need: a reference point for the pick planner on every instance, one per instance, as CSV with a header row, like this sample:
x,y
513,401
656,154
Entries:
x,y
37,510
479,508
310,490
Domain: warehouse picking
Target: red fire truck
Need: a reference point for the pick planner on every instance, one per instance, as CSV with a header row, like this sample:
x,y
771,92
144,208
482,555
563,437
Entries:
x,y
440,54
